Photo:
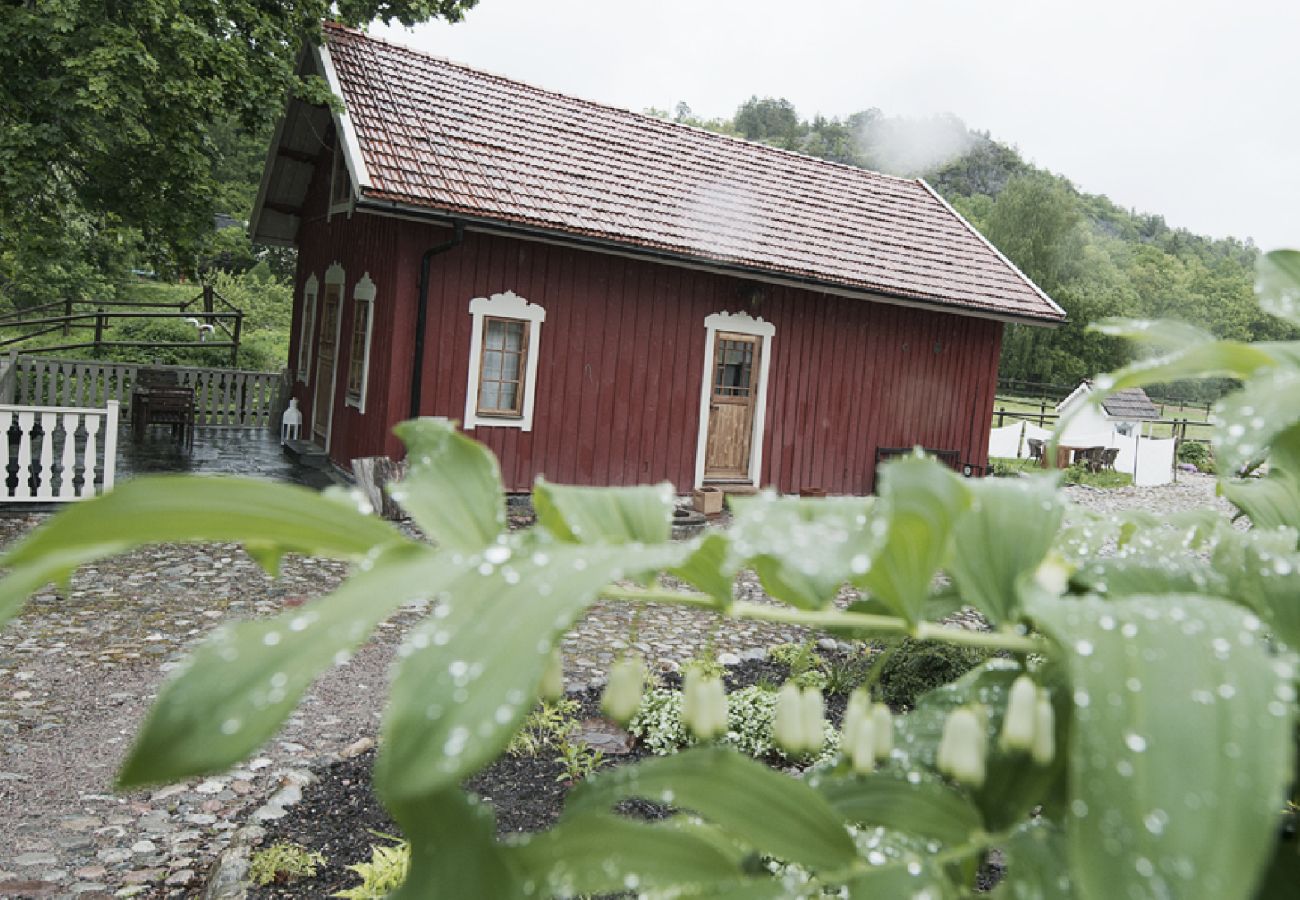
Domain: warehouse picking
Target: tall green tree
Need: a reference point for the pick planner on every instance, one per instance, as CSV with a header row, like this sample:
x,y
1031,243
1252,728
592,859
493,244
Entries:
x,y
107,107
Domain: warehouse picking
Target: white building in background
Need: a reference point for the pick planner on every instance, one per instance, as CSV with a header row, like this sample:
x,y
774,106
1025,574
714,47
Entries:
x,y
1122,414
1119,422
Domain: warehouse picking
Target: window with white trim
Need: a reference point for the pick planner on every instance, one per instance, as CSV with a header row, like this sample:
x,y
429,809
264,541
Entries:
x,y
340,183
307,325
363,321
504,344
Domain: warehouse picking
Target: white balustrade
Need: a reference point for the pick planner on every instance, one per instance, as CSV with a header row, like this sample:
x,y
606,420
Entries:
x,y
52,454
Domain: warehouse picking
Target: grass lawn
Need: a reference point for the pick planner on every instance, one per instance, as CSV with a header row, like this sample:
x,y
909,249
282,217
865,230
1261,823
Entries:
x,y
1006,467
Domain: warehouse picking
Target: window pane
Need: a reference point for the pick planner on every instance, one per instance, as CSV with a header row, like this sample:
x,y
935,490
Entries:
x,y
489,395
496,331
509,396
510,367
514,336
492,365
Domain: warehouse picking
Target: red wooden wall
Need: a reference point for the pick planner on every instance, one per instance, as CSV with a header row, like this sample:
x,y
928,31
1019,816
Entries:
x,y
621,360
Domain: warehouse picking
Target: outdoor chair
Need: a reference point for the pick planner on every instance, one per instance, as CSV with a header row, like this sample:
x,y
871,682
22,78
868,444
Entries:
x,y
158,399
1035,449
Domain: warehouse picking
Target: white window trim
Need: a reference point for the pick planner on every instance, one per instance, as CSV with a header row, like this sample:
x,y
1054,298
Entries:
x,y
307,326
364,292
503,306
333,275
737,323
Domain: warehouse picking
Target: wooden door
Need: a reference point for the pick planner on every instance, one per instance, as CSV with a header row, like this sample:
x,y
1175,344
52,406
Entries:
x,y
734,393
326,354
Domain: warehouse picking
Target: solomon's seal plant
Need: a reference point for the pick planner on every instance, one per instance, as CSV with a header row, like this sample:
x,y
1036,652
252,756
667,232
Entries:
x,y
1162,742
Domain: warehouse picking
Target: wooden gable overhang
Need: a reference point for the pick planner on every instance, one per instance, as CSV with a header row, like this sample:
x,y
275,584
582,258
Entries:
x,y
299,144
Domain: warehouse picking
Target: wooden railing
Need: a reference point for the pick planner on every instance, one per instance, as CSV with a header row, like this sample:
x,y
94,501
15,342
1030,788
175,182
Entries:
x,y
230,398
56,455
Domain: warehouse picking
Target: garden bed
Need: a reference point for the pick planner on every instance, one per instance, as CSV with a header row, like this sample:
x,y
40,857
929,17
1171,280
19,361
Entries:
x,y
340,817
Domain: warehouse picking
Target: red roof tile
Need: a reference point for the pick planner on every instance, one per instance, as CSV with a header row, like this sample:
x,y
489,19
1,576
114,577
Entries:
x,y
436,134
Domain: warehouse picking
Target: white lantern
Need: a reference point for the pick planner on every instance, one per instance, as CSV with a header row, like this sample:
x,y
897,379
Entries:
x,y
290,422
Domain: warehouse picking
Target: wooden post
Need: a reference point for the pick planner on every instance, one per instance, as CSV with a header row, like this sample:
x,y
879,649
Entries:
x,y
99,329
207,304
1002,411
234,350
67,311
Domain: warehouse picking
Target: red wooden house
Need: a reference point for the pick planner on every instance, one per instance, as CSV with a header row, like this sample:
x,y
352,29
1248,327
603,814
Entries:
x,y
606,298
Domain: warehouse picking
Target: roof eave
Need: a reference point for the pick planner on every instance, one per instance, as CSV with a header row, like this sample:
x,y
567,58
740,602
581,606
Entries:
x,y
771,276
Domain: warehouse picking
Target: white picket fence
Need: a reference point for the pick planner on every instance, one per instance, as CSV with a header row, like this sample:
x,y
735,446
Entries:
x,y
230,398
56,455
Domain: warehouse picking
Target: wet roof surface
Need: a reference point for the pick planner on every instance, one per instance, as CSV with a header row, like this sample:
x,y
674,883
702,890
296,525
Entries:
x,y
442,136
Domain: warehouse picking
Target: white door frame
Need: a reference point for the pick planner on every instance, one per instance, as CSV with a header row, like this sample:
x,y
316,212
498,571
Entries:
x,y
738,323
333,275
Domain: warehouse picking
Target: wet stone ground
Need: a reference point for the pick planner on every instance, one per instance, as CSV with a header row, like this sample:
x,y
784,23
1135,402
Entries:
x,y
79,669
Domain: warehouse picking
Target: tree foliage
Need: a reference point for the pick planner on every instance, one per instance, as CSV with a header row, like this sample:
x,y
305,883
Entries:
x,y
1090,255
107,113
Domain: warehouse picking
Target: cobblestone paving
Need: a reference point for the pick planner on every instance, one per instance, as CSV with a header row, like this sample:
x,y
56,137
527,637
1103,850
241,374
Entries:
x,y
78,671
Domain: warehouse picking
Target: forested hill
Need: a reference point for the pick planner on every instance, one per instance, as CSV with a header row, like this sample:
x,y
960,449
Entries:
x,y
1093,257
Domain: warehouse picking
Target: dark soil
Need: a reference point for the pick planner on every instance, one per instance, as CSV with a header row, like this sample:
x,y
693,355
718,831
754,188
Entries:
x,y
340,817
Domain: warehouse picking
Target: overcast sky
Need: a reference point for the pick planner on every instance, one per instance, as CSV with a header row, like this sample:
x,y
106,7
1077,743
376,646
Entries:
x,y
1189,109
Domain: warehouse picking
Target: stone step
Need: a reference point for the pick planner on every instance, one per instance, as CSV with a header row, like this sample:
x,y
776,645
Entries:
x,y
305,453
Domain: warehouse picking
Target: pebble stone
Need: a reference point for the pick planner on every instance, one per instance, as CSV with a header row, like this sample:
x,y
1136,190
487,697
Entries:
x,y
81,664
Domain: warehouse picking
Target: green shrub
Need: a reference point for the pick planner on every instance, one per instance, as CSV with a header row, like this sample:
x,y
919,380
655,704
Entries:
x,y
383,875
283,862
1197,454
915,668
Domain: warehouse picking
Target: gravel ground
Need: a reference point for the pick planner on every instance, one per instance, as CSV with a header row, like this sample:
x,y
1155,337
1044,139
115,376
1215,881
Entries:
x,y
77,673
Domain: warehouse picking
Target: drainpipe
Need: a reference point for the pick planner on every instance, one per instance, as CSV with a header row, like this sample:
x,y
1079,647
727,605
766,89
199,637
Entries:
x,y
422,311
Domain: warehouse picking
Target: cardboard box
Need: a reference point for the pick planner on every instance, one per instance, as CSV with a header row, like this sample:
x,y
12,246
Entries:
x,y
708,500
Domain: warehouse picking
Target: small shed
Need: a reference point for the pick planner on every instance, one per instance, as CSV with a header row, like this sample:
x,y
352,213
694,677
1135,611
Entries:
x,y
603,297
1122,413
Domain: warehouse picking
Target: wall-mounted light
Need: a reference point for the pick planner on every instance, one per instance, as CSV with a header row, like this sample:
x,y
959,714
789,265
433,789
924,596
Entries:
x,y
751,295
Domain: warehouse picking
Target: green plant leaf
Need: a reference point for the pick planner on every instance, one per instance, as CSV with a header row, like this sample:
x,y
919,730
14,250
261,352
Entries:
x,y
923,501
769,811
597,852
1252,418
1268,580
710,569
270,519
452,486
1013,785
1189,353
1181,748
928,807
587,515
468,675
1034,854
1004,536
1277,282
803,549
236,689
895,880
453,849
1270,502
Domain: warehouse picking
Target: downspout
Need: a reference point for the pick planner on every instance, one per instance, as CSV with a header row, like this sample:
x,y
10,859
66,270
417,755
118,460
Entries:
x,y
422,311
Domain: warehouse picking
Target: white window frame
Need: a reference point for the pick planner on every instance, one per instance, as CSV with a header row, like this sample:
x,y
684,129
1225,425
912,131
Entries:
x,y
310,291
333,275
364,292
503,306
736,323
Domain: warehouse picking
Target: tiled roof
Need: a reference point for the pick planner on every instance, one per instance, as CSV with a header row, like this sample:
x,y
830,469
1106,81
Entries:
x,y
1130,404
442,136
